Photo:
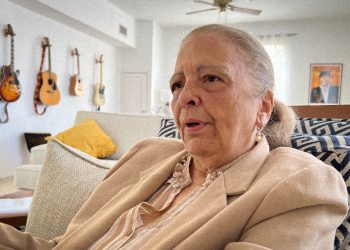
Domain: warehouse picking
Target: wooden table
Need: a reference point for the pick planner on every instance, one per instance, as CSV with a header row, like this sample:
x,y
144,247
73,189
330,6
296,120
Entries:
x,y
15,219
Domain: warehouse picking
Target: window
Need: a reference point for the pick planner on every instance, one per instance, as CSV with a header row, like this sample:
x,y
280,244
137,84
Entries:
x,y
276,47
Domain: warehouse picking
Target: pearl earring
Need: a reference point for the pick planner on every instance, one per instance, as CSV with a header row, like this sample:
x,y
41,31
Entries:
x,y
258,137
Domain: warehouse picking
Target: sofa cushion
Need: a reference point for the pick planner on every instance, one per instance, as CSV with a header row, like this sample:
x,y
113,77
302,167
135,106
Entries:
x,y
319,126
335,151
88,137
168,128
67,179
311,126
124,129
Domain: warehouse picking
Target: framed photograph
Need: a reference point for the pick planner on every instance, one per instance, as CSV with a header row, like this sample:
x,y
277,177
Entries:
x,y
325,83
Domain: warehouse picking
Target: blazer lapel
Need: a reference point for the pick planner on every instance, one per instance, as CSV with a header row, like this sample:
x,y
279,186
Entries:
x,y
150,180
234,181
243,171
202,210
204,207
102,221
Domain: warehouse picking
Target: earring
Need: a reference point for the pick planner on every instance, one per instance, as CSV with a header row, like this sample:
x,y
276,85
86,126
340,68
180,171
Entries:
x,y
258,137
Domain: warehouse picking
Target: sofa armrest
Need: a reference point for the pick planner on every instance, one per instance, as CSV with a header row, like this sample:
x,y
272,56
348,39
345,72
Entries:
x,y
37,154
67,179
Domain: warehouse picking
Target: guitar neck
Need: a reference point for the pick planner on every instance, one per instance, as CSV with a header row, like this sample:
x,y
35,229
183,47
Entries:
x,y
49,58
12,55
78,64
101,73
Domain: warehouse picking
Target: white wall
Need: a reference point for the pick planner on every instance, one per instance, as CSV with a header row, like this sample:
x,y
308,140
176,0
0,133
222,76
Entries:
x,y
30,28
318,41
172,38
157,64
99,14
140,59
98,18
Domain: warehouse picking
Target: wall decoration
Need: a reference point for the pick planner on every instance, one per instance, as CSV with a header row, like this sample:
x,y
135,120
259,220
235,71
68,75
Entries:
x,y
99,89
325,83
10,88
76,87
46,91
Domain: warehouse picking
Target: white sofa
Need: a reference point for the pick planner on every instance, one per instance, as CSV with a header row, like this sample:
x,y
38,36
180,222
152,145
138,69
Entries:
x,y
124,129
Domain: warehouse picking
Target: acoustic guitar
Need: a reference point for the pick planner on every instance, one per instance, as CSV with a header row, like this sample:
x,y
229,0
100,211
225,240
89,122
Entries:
x,y
99,94
49,93
76,84
10,89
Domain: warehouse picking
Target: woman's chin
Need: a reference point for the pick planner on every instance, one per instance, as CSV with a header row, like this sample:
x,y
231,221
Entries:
x,y
198,146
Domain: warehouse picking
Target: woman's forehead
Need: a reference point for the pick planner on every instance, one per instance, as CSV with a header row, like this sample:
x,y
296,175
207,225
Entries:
x,y
207,38
201,49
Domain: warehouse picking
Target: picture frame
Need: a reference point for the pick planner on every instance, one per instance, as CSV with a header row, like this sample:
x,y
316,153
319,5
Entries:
x,y
325,83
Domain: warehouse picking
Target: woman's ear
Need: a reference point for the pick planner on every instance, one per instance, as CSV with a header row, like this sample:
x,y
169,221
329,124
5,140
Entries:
x,y
265,110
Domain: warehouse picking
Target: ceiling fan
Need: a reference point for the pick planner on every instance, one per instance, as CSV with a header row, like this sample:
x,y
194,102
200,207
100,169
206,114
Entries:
x,y
222,5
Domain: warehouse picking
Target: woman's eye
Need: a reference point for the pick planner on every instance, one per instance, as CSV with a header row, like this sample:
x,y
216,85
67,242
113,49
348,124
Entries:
x,y
176,86
212,78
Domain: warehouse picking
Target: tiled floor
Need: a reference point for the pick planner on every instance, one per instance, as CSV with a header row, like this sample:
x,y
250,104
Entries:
x,y
7,186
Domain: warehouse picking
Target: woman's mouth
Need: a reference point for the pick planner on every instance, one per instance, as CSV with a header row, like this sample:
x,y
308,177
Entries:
x,y
194,125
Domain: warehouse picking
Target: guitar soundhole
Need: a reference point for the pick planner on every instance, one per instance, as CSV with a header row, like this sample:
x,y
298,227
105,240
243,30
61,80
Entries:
x,y
101,91
52,84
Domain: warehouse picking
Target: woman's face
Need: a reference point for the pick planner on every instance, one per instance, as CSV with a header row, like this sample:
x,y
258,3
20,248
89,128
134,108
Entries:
x,y
214,108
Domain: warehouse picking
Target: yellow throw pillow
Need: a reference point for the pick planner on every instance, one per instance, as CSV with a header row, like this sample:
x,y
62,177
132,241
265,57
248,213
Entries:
x,y
87,137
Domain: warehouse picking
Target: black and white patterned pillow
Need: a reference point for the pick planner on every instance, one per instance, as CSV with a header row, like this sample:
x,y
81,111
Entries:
x,y
319,126
168,128
335,151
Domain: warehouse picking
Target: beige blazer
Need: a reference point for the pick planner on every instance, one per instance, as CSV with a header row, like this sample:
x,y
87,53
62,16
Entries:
x,y
283,199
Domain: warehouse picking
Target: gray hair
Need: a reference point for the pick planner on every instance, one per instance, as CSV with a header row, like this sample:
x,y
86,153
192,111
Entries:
x,y
257,66
256,62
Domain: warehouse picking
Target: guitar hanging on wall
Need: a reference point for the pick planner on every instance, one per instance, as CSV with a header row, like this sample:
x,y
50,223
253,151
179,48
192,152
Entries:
x,y
76,84
49,93
46,91
99,94
10,88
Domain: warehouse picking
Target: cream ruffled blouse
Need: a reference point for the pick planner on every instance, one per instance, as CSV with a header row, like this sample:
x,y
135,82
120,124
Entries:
x,y
131,229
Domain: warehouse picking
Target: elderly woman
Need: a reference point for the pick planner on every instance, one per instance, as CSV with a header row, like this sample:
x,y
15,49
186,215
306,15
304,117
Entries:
x,y
222,186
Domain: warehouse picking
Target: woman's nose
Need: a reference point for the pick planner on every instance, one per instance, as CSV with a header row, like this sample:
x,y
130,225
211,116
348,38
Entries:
x,y
189,96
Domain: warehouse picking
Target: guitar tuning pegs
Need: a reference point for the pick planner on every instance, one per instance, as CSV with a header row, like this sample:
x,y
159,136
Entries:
x,y
6,31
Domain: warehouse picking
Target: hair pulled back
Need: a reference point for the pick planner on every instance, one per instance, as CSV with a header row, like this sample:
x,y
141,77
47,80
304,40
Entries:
x,y
257,70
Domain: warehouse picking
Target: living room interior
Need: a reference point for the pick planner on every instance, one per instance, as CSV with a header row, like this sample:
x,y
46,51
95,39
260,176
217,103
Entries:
x,y
318,33
134,44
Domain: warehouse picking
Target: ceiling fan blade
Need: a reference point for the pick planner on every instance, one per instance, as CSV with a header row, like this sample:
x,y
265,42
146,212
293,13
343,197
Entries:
x,y
199,1
199,11
244,10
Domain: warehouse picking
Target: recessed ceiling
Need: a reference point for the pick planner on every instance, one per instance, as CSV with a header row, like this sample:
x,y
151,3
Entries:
x,y
172,12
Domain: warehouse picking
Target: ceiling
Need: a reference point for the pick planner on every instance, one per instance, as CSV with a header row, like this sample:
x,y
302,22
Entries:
x,y
172,12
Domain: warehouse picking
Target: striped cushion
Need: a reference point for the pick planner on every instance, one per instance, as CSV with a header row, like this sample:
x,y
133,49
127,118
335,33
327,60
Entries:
x,y
318,126
335,151
168,128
